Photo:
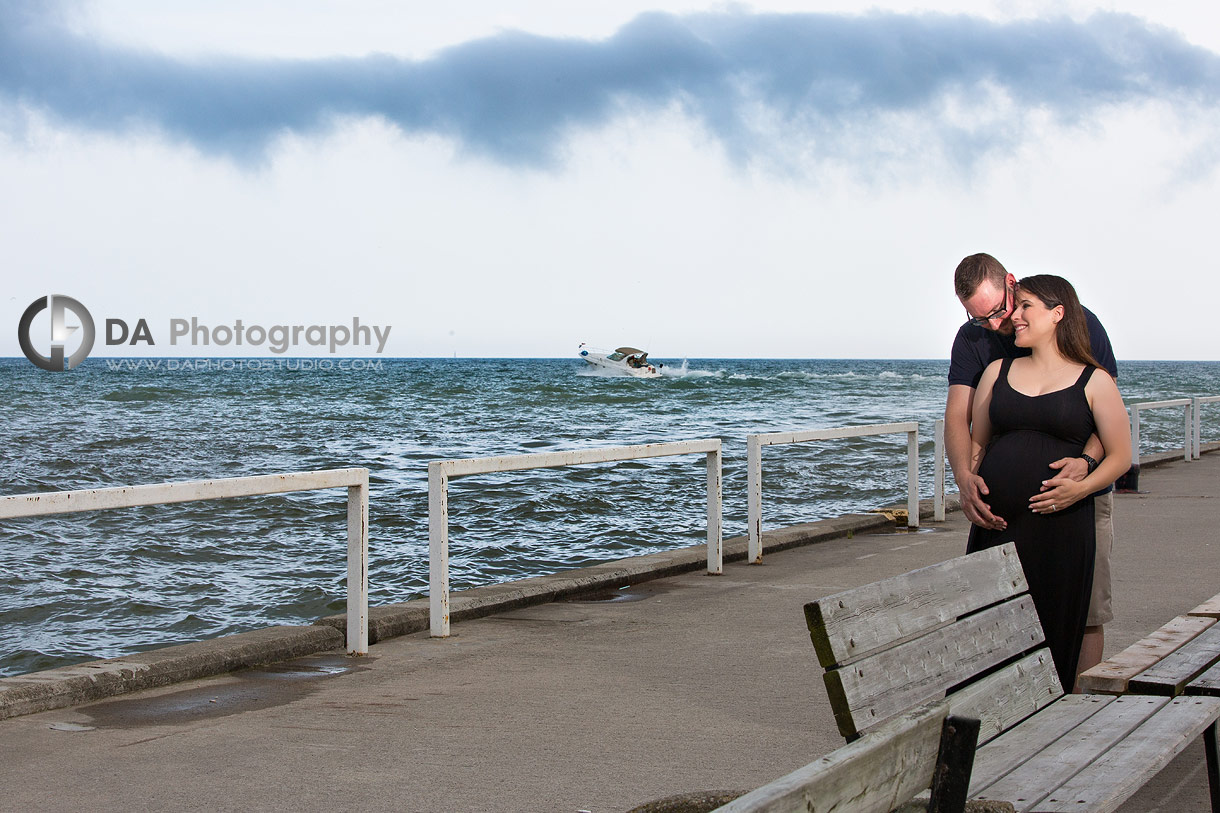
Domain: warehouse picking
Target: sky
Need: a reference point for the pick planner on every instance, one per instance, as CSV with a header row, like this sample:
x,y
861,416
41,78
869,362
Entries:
x,y
510,179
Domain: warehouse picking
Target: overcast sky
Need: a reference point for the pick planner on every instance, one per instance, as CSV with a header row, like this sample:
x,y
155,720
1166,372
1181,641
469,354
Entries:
x,y
513,178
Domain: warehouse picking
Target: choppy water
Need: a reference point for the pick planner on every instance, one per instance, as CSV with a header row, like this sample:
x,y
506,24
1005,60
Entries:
x,y
81,586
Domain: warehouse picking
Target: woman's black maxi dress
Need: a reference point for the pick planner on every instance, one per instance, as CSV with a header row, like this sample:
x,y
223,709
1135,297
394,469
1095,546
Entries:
x,y
1057,549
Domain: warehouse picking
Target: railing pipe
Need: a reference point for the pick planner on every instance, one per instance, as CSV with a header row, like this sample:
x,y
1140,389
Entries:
x,y
754,444
1135,426
440,471
356,480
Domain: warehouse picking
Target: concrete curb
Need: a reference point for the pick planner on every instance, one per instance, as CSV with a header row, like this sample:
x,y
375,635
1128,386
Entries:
x,y
85,682
1149,460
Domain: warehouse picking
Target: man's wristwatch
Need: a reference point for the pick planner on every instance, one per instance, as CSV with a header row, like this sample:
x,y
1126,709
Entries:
x,y
1092,463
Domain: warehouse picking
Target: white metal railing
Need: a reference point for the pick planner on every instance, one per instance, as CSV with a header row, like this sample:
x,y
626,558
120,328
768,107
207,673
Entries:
x,y
1135,425
754,444
355,480
1198,401
440,471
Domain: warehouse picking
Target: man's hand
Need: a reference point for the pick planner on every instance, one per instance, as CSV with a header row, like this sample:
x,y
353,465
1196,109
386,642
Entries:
x,y
1062,490
1073,468
972,490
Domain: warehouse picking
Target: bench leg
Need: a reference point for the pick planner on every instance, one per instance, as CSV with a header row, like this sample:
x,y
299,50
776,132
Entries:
x,y
959,737
1213,765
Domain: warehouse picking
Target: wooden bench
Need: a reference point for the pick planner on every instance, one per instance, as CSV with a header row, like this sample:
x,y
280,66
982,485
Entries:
x,y
1179,658
881,770
966,630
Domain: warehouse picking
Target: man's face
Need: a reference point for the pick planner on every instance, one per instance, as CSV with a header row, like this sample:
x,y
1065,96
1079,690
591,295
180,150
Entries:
x,y
991,305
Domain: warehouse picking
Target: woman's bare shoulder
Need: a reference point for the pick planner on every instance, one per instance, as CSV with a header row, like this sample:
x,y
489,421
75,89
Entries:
x,y
991,372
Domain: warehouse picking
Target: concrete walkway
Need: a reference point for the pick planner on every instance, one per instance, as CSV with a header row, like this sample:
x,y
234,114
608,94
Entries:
x,y
681,684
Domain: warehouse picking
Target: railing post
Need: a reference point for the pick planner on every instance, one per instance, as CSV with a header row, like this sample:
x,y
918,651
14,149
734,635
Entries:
x,y
1197,403
715,538
754,498
1190,445
1135,435
438,550
358,567
913,478
938,495
1131,480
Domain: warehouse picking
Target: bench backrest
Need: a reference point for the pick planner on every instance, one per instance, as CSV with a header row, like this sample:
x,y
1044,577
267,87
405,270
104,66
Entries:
x,y
874,774
965,629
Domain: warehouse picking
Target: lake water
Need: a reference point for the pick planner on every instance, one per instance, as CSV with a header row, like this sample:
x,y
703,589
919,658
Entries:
x,y
99,584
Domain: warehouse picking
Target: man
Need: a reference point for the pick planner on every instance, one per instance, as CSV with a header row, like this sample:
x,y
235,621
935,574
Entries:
x,y
985,289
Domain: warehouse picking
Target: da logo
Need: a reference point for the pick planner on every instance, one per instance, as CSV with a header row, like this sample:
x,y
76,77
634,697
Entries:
x,y
59,332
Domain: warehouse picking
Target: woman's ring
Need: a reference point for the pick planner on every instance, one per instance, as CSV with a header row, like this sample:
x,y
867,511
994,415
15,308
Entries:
x,y
1052,506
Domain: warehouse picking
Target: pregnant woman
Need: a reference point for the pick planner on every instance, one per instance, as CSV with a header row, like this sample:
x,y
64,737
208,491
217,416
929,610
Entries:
x,y
1029,412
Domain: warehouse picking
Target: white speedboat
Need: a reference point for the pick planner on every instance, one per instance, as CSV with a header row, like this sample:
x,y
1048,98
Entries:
x,y
623,361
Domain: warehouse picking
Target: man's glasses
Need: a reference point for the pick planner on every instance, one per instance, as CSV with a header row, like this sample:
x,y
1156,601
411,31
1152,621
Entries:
x,y
998,313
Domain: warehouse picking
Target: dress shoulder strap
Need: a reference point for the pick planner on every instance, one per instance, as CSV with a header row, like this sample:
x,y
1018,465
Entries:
x,y
1085,375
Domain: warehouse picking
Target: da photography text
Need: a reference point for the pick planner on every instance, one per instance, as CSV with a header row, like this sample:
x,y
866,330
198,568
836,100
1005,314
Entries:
x,y
276,338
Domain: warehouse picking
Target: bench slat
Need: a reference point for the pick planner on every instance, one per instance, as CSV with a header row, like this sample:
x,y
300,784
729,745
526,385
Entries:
x,y
1002,755
1052,766
1113,674
870,691
1125,768
1210,608
1170,676
850,625
874,774
1207,683
1006,697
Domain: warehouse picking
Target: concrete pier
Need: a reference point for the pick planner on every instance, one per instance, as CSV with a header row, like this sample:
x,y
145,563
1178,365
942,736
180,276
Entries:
x,y
686,683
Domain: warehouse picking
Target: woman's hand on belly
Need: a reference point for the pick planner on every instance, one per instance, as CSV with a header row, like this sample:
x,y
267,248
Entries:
x,y
1057,494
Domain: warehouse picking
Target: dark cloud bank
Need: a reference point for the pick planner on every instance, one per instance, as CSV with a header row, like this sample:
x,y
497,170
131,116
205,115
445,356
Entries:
x,y
758,83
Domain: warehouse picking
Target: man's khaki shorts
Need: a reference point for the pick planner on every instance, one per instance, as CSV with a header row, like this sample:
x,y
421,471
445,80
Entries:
x,y
1100,609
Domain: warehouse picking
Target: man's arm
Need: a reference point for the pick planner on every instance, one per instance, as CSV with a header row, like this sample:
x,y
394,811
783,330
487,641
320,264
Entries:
x,y
958,409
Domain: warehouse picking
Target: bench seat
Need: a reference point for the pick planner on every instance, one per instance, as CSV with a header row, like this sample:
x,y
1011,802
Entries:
x,y
1088,752
966,631
1167,662
1113,675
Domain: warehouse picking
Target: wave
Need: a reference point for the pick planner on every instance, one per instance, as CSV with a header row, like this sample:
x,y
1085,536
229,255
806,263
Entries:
x,y
143,394
884,375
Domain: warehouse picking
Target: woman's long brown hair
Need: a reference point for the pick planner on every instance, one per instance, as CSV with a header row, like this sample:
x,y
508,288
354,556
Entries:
x,y
1072,332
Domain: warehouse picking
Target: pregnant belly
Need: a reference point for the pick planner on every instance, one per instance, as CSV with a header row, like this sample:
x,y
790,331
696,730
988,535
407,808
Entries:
x,y
1015,465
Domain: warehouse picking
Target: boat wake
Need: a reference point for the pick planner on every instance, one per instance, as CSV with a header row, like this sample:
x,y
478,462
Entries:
x,y
684,371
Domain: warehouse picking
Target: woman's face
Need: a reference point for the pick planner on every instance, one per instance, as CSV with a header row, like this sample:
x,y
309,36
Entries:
x,y
1032,321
